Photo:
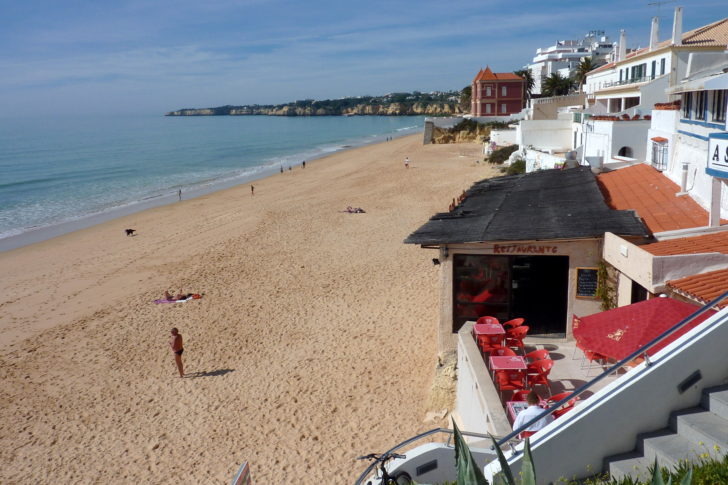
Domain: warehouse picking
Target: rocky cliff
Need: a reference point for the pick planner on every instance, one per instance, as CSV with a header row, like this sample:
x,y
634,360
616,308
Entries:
x,y
391,109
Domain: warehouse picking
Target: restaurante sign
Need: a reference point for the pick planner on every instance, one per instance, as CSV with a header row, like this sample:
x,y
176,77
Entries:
x,y
524,249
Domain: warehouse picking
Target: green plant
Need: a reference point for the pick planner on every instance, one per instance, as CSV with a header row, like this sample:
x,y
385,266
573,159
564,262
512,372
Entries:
x,y
519,166
605,289
500,155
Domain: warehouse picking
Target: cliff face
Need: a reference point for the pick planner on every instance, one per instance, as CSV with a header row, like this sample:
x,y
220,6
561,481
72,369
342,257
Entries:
x,y
392,109
445,136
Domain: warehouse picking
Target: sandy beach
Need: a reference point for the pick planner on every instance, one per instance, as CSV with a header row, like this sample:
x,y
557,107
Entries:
x,y
314,341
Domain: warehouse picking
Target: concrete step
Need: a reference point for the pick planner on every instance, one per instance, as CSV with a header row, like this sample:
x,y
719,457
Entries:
x,y
715,400
693,433
707,431
631,464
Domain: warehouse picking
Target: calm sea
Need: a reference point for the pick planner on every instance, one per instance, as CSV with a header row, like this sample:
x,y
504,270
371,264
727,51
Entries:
x,y
57,175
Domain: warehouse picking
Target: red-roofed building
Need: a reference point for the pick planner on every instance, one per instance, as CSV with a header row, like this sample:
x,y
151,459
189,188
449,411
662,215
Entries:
x,y
497,93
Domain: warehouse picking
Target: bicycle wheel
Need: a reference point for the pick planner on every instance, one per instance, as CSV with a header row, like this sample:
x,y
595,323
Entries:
x,y
402,478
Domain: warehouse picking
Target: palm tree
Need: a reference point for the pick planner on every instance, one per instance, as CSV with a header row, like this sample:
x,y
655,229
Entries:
x,y
586,65
528,76
556,85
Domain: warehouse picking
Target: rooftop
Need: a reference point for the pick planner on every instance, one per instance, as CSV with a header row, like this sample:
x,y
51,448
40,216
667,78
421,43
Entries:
x,y
708,243
653,196
703,287
548,204
711,35
488,75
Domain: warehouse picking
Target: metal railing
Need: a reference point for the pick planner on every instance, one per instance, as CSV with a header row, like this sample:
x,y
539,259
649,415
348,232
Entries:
x,y
642,351
372,466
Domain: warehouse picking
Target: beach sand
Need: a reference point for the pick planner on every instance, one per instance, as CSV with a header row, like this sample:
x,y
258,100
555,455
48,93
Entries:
x,y
314,341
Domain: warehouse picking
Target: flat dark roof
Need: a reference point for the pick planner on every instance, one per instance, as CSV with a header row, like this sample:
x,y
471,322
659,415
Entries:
x,y
548,204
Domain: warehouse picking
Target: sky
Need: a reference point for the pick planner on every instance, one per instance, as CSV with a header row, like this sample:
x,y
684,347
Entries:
x,y
152,56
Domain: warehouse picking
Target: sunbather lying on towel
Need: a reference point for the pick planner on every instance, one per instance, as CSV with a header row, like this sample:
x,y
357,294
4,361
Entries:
x,y
355,210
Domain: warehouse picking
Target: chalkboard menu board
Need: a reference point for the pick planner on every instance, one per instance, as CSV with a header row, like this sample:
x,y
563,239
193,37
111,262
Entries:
x,y
586,282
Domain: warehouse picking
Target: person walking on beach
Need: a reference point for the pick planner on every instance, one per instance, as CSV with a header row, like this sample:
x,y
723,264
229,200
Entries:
x,y
175,342
406,162
179,194
252,190
304,164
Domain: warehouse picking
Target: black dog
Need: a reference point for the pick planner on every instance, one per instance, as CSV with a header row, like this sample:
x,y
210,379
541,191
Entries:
x,y
130,232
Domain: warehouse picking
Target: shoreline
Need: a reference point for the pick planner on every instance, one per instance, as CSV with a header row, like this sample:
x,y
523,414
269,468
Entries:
x,y
32,235
315,335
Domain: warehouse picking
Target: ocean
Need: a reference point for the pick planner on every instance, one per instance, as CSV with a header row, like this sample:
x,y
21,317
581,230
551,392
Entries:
x,y
62,174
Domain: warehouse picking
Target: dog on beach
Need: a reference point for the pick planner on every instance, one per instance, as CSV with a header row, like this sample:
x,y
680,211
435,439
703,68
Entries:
x,y
129,232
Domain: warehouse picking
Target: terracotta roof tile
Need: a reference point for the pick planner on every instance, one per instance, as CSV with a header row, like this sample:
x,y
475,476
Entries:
x,y
488,75
708,243
650,193
703,287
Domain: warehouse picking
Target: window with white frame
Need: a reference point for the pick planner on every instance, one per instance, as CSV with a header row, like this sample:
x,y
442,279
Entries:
x,y
687,101
487,91
718,105
503,108
487,108
503,90
662,66
700,105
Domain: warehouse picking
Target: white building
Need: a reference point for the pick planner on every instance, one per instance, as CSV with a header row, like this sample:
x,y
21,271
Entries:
x,y
564,56
622,94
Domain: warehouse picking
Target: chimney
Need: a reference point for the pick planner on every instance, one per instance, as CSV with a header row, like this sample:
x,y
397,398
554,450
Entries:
x,y
677,27
622,53
654,33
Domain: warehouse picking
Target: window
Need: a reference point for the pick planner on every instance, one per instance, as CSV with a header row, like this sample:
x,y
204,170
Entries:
x,y
659,155
620,75
503,90
718,108
487,91
662,66
480,287
654,69
700,105
503,108
487,108
687,101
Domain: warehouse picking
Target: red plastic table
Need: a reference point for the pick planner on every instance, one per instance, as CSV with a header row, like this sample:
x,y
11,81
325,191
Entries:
x,y
507,363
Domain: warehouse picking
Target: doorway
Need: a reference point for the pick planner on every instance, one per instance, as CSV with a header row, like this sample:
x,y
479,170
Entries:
x,y
540,286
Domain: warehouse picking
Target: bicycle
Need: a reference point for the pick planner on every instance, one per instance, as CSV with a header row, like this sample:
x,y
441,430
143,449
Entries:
x,y
400,478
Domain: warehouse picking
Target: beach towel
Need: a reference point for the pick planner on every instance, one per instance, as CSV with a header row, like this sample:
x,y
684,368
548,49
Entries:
x,y
191,297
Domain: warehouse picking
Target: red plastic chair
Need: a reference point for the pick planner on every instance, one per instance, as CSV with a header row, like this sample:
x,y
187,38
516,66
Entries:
x,y
502,352
538,374
487,319
489,342
510,380
565,408
520,395
536,355
516,322
592,357
515,336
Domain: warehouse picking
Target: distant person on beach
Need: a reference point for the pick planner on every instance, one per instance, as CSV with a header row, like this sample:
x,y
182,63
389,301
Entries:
x,y
252,190
168,295
175,342
179,194
406,162
281,168
304,164
290,168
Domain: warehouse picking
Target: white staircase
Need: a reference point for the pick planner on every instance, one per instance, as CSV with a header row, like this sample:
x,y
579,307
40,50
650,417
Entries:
x,y
693,433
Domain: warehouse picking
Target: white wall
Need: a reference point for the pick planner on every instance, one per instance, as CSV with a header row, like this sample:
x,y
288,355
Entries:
x,y
606,138
475,390
536,160
608,422
503,137
545,134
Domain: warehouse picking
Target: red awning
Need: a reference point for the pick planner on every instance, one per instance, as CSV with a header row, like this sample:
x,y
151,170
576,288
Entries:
x,y
659,139
619,332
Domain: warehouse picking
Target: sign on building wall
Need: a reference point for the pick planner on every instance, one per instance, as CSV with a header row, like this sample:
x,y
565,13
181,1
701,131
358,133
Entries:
x,y
587,282
718,155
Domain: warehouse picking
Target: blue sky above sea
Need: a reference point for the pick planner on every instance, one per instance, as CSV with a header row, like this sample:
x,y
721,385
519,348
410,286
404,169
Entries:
x,y
141,56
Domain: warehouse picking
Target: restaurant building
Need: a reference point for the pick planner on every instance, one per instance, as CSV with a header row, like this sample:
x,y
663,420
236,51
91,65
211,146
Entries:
x,y
525,245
